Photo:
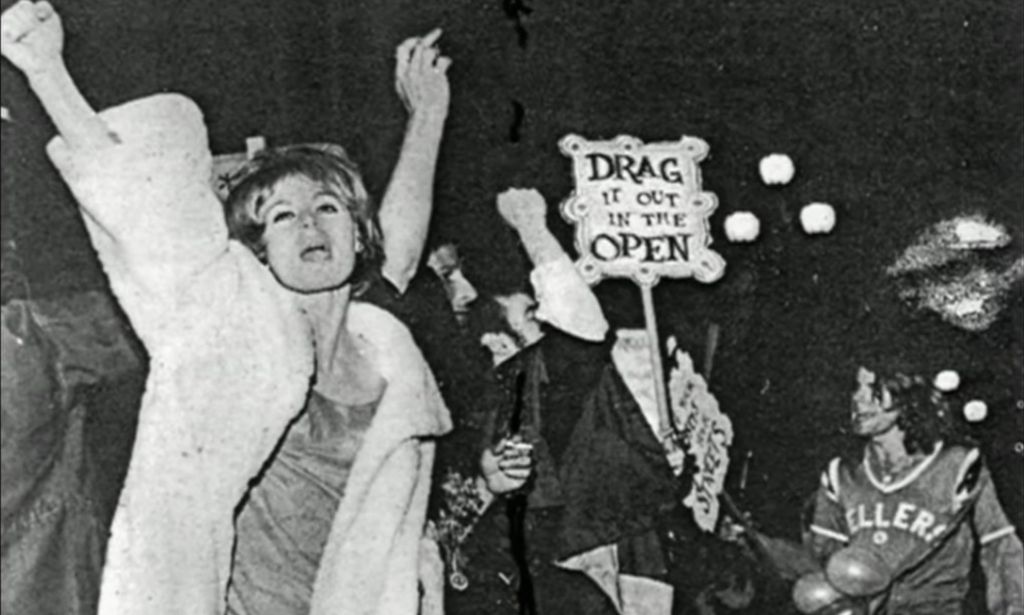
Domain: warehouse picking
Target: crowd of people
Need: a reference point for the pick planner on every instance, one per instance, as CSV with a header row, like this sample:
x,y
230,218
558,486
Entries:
x,y
335,421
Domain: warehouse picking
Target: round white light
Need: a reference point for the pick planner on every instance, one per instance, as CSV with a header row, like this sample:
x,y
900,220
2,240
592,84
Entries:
x,y
742,227
776,169
947,380
817,218
975,410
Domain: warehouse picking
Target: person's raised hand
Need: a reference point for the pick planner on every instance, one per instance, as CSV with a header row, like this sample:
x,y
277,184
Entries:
x,y
31,37
507,466
523,209
421,76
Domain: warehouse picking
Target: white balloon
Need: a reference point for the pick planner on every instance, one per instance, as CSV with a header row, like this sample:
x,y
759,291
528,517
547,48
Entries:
x,y
817,218
742,227
947,380
975,410
777,169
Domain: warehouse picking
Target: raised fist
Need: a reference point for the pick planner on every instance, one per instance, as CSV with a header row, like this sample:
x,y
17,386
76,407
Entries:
x,y
31,36
421,78
523,209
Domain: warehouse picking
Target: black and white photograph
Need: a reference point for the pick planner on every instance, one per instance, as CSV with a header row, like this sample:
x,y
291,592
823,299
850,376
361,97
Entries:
x,y
512,307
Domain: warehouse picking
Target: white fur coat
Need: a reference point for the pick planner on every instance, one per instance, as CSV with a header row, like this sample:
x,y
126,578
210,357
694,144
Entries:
x,y
230,356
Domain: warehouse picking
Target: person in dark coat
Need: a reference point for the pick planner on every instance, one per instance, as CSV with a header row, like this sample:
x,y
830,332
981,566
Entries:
x,y
601,477
72,380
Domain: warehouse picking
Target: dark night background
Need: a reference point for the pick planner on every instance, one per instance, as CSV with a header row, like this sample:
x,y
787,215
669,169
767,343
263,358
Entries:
x,y
898,113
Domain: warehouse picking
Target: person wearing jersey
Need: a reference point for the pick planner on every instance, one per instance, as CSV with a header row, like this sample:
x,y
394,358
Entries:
x,y
901,526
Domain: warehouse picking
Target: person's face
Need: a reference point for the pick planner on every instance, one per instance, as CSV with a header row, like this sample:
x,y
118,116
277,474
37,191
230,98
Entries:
x,y
444,261
521,314
871,413
310,236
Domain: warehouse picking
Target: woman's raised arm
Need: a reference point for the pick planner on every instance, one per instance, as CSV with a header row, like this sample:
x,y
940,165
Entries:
x,y
32,39
422,83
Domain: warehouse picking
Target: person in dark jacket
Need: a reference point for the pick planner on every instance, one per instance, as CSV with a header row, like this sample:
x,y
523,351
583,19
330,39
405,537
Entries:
x,y
601,478
72,381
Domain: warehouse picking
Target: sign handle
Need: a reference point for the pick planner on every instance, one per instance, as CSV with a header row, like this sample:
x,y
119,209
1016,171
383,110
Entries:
x,y
710,347
660,392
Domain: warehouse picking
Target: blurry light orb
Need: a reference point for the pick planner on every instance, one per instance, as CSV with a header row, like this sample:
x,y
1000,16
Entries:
x,y
975,410
947,380
742,227
817,218
979,233
776,169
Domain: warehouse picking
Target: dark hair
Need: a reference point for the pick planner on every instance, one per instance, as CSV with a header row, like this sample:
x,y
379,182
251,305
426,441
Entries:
x,y
325,163
489,316
924,415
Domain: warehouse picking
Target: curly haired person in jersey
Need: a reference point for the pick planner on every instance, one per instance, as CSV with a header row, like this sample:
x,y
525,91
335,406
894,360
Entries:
x,y
899,528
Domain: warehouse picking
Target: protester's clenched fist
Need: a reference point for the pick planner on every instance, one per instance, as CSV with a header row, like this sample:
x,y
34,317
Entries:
x,y
421,75
523,208
31,36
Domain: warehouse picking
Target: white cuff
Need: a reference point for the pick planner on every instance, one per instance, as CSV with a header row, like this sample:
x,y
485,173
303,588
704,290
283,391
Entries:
x,y
565,301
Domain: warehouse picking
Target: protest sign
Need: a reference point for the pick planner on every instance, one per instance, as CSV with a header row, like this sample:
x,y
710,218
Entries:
x,y
705,434
639,210
640,213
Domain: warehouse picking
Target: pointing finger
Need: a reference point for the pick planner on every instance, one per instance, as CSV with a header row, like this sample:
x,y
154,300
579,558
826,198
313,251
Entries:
x,y
430,38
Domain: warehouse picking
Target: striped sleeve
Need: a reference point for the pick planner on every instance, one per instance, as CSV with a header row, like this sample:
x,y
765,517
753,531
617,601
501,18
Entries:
x,y
828,532
990,521
1001,554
